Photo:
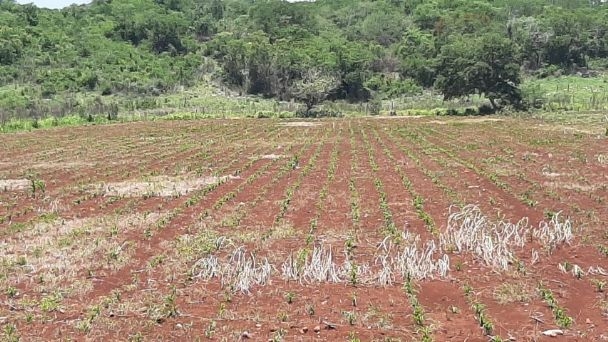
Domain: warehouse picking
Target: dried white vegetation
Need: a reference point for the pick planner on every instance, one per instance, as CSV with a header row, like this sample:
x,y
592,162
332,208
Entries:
x,y
316,266
412,260
239,271
467,231
597,270
494,243
554,232
578,272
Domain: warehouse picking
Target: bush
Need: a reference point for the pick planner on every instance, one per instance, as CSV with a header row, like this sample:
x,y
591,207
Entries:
x,y
113,112
265,115
548,71
374,107
284,115
393,87
470,111
318,113
452,112
486,109
106,90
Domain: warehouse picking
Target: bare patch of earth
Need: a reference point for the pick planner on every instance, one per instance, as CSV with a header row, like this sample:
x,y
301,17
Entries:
x,y
300,124
573,186
272,156
470,120
14,184
162,186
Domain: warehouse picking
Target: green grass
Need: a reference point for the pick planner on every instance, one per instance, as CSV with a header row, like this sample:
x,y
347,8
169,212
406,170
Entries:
x,y
561,96
569,93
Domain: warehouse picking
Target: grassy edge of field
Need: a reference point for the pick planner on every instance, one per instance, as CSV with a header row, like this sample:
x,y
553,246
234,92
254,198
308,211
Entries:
x,y
567,100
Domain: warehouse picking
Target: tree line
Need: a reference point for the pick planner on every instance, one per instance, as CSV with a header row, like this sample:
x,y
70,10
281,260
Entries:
x,y
353,50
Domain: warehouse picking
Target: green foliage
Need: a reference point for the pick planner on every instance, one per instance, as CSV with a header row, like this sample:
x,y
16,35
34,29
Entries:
x,y
484,65
132,52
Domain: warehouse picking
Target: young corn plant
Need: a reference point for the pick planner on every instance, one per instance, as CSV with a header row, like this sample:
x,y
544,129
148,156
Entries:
x,y
418,314
390,228
296,185
418,201
559,313
480,311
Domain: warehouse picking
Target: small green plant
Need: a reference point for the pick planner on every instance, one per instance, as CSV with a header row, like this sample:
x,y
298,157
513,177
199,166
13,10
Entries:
x,y
157,260
352,337
562,319
37,186
222,310
478,308
29,317
11,292
550,214
353,274
210,329
50,303
418,315
458,265
137,337
10,333
350,316
349,244
282,316
488,327
278,335
600,285
170,305
468,290
289,297
83,326
426,334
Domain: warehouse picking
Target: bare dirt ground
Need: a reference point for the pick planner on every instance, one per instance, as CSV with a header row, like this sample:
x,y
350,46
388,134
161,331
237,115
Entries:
x,y
370,229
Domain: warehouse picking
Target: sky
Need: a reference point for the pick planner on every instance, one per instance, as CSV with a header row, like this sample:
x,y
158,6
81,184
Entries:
x,y
53,3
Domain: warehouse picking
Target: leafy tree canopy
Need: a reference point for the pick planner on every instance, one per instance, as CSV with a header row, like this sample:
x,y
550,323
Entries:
x,y
270,47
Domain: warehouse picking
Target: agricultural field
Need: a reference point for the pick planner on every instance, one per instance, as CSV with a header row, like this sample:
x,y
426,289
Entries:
x,y
367,229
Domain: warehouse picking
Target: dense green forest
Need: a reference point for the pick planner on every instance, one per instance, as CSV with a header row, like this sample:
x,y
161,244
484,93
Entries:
x,y
351,50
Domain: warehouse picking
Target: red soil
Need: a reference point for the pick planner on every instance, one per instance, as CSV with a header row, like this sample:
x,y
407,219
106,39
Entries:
x,y
136,299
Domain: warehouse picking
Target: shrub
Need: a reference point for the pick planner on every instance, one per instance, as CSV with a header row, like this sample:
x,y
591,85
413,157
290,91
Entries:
x,y
486,109
470,111
318,113
374,107
265,114
452,112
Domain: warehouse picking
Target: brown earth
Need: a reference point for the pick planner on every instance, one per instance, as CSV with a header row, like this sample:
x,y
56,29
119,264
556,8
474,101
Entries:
x,y
119,241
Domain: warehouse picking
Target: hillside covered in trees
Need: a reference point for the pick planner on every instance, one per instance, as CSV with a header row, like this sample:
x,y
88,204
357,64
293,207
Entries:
x,y
354,50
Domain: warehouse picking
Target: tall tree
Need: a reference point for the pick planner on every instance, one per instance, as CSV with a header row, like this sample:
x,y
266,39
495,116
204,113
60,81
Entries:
x,y
488,65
